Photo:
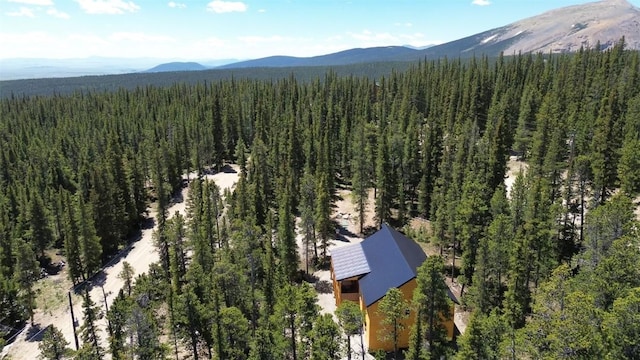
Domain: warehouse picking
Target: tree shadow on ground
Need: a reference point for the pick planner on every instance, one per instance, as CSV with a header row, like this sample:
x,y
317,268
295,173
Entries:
x,y
98,279
323,287
369,230
451,272
227,169
35,332
342,232
176,197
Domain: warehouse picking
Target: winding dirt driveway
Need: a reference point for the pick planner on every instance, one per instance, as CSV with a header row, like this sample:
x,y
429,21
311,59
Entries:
x,y
139,254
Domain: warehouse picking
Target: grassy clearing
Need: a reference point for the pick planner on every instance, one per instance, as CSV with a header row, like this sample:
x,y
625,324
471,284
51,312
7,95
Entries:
x,y
52,293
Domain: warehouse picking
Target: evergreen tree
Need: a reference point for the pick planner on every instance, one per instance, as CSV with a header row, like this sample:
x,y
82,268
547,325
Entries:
x,y
235,334
266,345
323,216
161,243
417,350
359,174
556,303
473,215
616,273
53,345
25,275
11,306
144,333
308,312
106,208
38,233
90,248
72,242
287,246
177,250
188,310
432,299
393,312
383,181
629,164
126,275
526,121
136,188
351,320
287,313
605,224
481,340
539,229
118,318
89,329
431,152
325,339
622,327
491,268
307,218
605,145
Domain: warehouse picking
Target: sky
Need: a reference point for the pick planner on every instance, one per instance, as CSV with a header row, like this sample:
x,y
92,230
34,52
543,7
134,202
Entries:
x,y
248,29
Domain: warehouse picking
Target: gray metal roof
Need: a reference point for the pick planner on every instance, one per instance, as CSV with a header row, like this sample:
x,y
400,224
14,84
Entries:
x,y
349,261
392,258
387,259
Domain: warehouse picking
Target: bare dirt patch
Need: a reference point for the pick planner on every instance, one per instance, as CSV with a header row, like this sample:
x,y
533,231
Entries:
x,y
514,167
346,216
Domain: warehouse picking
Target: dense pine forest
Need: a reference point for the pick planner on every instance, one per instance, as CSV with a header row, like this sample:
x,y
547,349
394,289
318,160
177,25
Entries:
x,y
548,268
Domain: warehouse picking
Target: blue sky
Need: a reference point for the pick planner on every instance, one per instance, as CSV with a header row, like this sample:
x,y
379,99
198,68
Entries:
x,y
201,30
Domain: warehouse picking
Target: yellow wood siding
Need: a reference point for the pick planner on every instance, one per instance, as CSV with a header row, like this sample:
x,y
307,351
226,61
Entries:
x,y
374,323
373,320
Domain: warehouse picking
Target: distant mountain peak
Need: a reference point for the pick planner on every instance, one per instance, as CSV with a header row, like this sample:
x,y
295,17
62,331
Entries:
x,y
177,66
560,30
570,28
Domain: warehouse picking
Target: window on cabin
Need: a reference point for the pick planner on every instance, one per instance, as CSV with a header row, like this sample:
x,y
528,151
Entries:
x,y
349,286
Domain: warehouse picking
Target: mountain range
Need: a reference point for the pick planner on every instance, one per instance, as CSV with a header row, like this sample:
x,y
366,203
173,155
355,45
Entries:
x,y
566,29
598,24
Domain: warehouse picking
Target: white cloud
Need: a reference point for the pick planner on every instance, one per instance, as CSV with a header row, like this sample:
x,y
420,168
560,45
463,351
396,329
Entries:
x,y
57,13
219,7
262,10
481,2
24,11
173,4
107,6
29,12
33,2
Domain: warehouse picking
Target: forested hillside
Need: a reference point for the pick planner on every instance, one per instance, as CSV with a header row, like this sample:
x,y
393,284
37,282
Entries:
x,y
551,270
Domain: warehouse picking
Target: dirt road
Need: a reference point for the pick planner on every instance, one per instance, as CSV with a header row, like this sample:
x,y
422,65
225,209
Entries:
x,y
139,254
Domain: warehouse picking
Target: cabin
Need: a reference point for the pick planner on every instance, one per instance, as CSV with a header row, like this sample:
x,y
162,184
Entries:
x,y
365,271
